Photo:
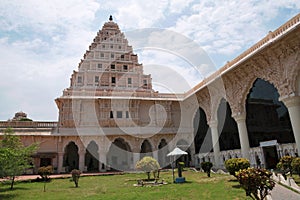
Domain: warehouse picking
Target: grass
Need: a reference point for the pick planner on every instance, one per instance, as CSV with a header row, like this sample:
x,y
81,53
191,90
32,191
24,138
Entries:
x,y
199,186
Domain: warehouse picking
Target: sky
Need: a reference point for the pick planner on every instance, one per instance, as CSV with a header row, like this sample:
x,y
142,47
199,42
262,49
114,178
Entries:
x,y
42,42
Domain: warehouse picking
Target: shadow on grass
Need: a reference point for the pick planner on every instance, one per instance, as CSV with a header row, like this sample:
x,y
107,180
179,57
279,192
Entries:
x,y
237,186
233,180
74,187
8,196
186,182
7,189
8,192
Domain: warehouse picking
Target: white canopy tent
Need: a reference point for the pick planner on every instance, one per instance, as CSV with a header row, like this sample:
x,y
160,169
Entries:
x,y
176,152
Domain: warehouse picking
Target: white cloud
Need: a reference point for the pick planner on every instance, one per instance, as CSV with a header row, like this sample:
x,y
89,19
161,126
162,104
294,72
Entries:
x,y
179,5
46,41
41,42
227,27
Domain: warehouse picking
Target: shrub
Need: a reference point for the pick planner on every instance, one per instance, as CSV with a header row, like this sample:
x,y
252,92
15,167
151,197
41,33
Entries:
x,y
206,166
148,164
75,176
256,182
45,173
285,165
233,165
296,165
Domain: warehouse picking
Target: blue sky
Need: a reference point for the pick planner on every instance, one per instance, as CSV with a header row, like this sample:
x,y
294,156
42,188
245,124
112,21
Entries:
x,y
42,42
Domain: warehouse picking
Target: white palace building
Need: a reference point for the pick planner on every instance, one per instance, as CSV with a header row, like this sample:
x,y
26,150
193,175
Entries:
x,y
110,117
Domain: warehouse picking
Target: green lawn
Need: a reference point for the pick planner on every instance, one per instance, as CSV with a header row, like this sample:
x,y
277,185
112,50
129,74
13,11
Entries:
x,y
199,186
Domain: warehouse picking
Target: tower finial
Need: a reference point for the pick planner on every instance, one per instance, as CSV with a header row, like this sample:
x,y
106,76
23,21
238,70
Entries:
x,y
110,18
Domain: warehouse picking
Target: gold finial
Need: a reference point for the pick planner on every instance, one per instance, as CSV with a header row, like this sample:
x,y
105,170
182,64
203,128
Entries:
x,y
110,18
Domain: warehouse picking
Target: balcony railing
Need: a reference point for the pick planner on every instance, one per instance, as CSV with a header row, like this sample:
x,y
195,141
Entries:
x,y
27,124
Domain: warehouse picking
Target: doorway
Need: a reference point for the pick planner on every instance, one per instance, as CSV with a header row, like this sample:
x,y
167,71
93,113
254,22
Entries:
x,y
271,157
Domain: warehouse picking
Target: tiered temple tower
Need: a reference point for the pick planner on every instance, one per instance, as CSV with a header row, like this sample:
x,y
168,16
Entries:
x,y
110,65
108,69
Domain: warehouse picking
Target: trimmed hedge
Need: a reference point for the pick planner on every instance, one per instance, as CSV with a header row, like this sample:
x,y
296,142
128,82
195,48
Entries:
x,y
206,166
256,182
234,165
296,165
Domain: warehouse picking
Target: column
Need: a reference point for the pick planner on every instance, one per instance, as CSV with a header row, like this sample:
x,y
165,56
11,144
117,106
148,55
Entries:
x,y
60,162
135,154
102,160
215,141
136,158
155,154
293,106
81,160
243,134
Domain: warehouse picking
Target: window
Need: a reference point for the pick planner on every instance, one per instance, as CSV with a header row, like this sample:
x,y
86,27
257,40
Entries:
x,y
79,80
112,55
113,79
103,46
129,81
111,46
125,67
127,114
119,114
122,57
111,114
120,47
145,82
112,66
99,66
96,79
102,55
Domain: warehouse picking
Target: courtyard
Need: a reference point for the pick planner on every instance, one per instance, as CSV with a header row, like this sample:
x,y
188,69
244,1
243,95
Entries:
x,y
121,186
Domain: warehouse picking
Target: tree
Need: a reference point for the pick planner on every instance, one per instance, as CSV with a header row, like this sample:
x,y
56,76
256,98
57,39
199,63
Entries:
x,y
14,156
285,165
233,165
45,173
256,182
206,166
75,176
148,165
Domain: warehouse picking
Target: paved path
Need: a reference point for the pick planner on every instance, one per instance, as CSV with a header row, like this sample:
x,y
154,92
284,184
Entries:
x,y
281,193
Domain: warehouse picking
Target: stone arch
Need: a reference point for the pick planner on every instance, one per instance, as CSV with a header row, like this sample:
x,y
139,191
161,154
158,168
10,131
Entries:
x,y
91,157
249,86
215,105
202,134
163,150
289,85
71,156
146,149
204,101
266,117
227,127
119,156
